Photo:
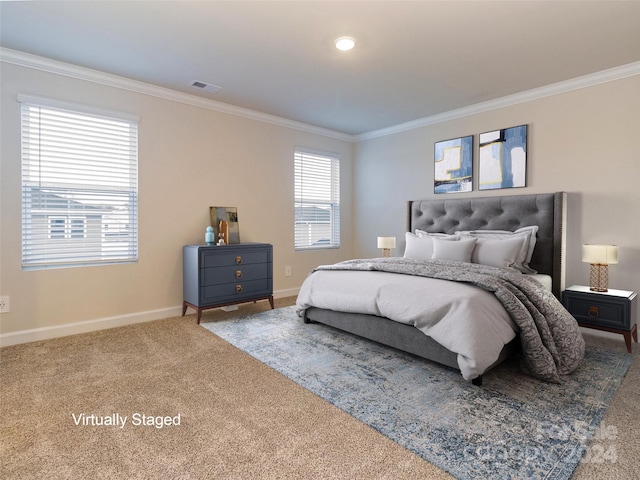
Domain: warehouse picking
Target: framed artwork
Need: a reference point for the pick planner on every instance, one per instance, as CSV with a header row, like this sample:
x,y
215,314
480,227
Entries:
x,y
503,158
453,161
224,221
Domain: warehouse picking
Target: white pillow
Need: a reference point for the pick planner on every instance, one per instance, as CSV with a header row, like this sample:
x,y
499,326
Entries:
x,y
525,254
498,252
459,251
446,236
421,248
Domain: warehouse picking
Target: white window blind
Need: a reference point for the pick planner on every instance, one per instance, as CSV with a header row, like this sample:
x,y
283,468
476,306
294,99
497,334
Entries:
x,y
79,187
317,200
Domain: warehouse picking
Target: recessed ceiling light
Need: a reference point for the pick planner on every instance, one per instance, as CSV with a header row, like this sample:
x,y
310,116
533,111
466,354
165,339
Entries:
x,y
345,43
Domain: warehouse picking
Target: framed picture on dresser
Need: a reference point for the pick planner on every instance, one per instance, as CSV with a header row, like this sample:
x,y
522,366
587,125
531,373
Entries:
x,y
224,221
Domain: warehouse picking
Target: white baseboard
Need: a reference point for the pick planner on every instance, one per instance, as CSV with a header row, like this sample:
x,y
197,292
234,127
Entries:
x,y
289,292
46,333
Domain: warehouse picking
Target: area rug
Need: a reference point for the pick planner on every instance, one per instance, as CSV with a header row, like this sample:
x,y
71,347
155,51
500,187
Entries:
x,y
512,427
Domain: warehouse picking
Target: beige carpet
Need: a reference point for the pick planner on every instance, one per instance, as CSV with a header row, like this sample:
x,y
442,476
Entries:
x,y
238,418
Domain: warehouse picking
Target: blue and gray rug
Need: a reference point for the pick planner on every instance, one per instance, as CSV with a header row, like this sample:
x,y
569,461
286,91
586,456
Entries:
x,y
513,427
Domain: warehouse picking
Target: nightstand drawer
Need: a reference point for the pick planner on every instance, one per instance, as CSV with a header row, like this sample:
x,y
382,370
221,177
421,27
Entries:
x,y
600,312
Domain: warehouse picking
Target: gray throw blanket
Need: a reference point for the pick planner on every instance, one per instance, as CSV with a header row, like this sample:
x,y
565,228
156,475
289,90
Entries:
x,y
551,342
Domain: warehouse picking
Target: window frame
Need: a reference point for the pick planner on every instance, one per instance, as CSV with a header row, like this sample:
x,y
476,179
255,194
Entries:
x,y
80,170
320,197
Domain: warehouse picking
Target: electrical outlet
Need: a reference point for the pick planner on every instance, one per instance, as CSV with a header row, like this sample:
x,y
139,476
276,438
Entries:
x,y
287,270
4,304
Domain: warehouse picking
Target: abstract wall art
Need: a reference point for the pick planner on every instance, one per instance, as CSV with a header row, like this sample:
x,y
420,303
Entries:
x,y
503,158
453,160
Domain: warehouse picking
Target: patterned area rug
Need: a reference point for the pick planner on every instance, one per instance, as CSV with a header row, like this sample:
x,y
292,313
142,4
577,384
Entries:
x,y
513,427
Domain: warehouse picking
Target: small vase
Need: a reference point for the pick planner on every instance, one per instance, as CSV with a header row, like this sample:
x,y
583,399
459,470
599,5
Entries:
x,y
208,236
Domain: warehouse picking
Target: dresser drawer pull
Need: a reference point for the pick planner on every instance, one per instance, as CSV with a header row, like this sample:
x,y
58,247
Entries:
x,y
238,288
239,260
593,312
238,273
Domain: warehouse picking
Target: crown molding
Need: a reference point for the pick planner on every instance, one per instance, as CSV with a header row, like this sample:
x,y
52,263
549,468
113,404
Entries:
x,y
604,76
53,66
36,62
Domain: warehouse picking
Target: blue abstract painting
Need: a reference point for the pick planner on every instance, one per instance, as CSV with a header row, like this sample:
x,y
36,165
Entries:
x,y
503,158
454,165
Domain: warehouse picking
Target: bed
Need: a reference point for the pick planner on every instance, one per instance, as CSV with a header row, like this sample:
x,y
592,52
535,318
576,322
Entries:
x,y
553,345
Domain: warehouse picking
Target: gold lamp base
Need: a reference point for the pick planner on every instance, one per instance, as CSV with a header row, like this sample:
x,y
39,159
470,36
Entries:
x,y
599,277
386,252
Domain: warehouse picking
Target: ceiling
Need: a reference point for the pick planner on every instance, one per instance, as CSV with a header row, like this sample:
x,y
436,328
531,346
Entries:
x,y
412,60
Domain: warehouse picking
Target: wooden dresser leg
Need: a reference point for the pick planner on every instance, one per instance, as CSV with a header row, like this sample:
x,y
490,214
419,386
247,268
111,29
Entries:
x,y
627,340
271,302
199,315
184,308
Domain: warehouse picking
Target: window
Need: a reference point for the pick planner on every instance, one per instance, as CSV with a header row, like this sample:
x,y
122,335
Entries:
x,y
66,227
77,227
317,200
56,228
79,186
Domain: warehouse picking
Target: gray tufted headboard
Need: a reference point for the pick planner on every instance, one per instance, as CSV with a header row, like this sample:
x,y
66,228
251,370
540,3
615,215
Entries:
x,y
547,211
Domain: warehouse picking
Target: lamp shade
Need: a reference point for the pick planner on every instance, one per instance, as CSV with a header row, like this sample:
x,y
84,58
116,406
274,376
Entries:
x,y
386,242
600,254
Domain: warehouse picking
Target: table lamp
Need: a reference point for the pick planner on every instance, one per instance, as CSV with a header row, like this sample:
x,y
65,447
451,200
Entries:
x,y
600,257
386,244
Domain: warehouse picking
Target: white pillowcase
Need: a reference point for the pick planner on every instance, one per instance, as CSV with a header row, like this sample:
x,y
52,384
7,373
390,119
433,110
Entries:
x,y
446,236
526,252
498,252
459,251
421,247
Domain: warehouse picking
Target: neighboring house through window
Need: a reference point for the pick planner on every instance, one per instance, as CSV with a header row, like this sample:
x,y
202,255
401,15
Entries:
x,y
317,200
79,185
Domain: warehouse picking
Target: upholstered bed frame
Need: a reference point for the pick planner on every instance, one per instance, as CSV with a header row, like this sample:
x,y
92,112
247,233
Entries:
x,y
448,215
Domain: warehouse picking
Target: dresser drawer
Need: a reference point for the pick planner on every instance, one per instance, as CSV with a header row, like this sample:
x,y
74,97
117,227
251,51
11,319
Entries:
x,y
223,258
228,292
598,311
234,273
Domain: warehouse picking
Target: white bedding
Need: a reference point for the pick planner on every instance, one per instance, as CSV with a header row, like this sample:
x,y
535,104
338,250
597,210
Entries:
x,y
463,318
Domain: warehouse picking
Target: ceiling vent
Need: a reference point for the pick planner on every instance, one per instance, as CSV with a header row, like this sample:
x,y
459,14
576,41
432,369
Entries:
x,y
208,87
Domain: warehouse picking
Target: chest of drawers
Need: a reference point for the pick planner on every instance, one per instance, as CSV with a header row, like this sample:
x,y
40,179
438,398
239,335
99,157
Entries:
x,y
216,276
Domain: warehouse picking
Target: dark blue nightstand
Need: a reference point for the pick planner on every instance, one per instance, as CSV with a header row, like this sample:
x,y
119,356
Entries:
x,y
612,311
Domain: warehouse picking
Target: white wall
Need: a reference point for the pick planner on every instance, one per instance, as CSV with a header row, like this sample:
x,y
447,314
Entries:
x,y
190,158
584,142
